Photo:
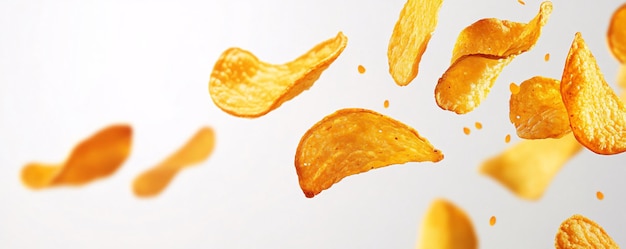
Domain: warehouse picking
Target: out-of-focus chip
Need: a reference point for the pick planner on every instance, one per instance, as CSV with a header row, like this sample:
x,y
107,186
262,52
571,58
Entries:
x,y
352,141
481,51
446,226
596,114
96,157
546,57
528,167
600,195
243,86
616,34
361,69
197,149
578,232
417,22
537,110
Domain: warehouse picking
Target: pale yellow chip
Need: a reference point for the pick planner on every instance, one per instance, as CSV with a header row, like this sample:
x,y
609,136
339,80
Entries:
x,y
153,181
616,35
94,158
528,167
596,114
352,141
446,226
244,86
580,232
537,110
417,22
482,50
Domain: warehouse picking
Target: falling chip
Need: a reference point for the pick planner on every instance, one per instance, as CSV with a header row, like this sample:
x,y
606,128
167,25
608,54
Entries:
x,y
600,195
546,57
492,221
507,139
361,69
478,125
466,130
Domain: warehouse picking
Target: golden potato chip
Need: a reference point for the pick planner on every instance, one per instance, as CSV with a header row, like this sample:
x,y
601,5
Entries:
x,y
352,141
537,110
616,35
96,157
478,125
481,51
528,167
243,86
417,22
386,104
197,149
596,114
361,69
446,226
466,130
579,232
600,195
492,221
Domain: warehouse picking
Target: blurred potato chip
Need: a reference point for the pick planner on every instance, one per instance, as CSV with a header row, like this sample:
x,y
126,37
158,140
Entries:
x,y
528,167
580,232
417,22
244,86
596,114
616,35
446,226
96,157
155,180
481,51
352,141
537,110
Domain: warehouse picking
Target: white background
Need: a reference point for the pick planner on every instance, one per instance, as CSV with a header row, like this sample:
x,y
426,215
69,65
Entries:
x,y
70,68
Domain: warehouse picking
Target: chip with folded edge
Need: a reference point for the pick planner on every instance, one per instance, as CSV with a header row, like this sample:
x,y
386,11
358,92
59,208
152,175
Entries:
x,y
581,232
616,34
446,226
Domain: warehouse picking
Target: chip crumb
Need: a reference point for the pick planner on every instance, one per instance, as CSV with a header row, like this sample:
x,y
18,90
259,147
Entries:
x,y
507,139
386,104
600,195
361,69
492,221
514,88
478,125
546,57
466,130
521,2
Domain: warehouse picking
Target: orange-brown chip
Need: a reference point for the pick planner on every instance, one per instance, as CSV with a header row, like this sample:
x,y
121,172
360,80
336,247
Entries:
x,y
361,69
546,57
482,50
243,86
616,35
352,141
446,226
197,149
96,157
578,232
596,114
600,195
417,22
537,111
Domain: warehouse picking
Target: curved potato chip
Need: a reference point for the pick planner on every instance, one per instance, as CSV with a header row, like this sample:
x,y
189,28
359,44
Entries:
x,y
596,114
481,51
96,157
243,86
352,141
528,167
616,35
537,110
446,226
578,232
197,149
417,22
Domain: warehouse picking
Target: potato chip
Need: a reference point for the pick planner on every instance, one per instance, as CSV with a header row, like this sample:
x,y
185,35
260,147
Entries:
x,y
478,125
537,110
546,57
578,232
596,114
96,157
417,22
600,195
155,180
361,69
352,141
243,86
492,221
481,51
616,35
507,138
446,226
386,103
528,167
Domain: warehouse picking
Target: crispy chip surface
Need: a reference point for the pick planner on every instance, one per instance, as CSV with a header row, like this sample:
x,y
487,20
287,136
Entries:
x,y
616,35
352,141
537,110
597,116
155,180
481,51
580,232
96,157
417,22
528,167
244,86
446,226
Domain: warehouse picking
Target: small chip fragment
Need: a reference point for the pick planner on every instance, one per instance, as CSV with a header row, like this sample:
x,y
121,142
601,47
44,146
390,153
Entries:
x,y
546,57
153,181
361,69
507,138
514,88
616,34
478,125
243,86
386,103
578,232
481,51
528,167
600,195
417,22
352,141
446,226
94,158
596,114
466,130
492,221
521,2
